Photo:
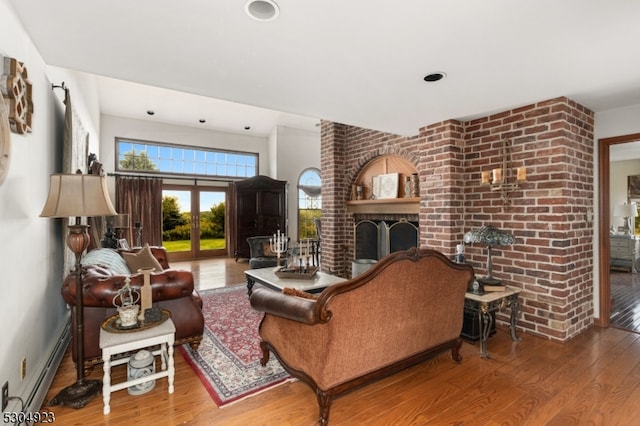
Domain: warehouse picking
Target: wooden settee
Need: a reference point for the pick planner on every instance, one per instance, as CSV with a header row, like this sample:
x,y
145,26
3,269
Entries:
x,y
405,309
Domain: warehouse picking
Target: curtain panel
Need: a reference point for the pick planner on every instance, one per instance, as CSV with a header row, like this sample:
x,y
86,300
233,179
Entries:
x,y
141,198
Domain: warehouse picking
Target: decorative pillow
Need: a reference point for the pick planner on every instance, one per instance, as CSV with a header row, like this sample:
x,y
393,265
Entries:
x,y
266,250
298,293
142,260
108,259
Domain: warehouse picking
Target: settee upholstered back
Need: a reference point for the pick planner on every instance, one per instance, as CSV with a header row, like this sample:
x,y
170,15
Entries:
x,y
407,303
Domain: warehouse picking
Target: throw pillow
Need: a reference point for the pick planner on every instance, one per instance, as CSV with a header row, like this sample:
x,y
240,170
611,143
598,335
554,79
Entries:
x,y
107,258
142,260
266,250
299,293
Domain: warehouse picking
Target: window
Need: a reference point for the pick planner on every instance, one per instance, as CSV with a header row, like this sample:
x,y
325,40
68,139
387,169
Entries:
x,y
309,203
159,158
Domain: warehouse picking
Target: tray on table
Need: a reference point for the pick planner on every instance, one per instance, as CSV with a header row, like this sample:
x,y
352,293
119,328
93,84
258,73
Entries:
x,y
112,324
297,273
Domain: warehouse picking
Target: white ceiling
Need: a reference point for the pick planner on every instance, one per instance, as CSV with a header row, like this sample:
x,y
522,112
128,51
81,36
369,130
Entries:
x,y
358,62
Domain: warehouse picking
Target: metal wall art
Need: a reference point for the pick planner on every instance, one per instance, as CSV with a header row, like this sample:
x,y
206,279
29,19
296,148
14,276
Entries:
x,y
16,90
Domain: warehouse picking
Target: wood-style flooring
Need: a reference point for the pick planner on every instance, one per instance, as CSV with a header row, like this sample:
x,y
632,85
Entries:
x,y
625,300
592,379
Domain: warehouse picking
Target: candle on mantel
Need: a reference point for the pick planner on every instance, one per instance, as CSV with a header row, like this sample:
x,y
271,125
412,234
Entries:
x,y
497,175
485,178
522,174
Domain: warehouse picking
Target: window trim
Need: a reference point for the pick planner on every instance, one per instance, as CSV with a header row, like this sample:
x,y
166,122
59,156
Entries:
x,y
118,169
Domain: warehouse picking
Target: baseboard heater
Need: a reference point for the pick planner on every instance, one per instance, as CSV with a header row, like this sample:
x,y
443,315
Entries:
x,y
37,390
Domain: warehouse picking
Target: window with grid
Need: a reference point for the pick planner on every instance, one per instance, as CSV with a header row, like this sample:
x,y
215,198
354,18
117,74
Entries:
x,y
309,203
160,158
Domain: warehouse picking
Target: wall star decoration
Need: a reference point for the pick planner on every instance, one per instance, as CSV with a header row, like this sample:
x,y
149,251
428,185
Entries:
x,y
16,90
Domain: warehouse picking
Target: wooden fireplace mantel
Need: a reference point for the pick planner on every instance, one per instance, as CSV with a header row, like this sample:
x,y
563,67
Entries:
x,y
386,206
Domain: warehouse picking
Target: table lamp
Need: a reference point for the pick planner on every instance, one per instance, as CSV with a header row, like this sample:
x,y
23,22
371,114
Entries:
x,y
78,195
491,237
628,212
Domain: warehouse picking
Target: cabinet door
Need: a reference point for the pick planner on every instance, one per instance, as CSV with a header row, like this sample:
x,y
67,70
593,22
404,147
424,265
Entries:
x,y
271,211
246,220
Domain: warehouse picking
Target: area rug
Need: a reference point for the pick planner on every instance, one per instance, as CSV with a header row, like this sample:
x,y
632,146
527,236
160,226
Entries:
x,y
228,359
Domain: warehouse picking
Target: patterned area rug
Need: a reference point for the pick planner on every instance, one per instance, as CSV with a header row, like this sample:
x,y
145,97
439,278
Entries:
x,y
228,359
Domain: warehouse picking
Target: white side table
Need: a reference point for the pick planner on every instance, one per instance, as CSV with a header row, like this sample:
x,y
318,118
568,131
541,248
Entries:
x,y
118,343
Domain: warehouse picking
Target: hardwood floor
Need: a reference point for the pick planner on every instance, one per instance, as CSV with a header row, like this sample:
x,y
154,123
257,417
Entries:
x,y
593,379
625,301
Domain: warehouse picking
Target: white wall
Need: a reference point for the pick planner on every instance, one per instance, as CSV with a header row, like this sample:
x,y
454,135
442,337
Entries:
x,y
619,172
615,122
297,150
32,311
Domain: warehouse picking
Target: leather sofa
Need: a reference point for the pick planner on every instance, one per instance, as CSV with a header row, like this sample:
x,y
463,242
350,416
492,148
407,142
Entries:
x,y
104,271
405,309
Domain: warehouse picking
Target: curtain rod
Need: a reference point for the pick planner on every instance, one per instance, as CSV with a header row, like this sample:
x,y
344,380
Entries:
x,y
58,86
195,180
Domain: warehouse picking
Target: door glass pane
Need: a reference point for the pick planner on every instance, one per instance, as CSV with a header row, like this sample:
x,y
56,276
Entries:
x,y
176,220
212,220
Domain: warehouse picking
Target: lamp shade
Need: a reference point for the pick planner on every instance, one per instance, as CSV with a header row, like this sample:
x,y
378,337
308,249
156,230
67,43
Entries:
x,y
626,210
78,195
490,236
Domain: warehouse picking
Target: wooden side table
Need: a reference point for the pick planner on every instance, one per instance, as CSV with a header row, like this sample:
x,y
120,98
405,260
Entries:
x,y
487,304
117,343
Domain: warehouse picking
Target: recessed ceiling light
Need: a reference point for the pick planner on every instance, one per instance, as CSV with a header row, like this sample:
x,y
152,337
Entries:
x,y
150,112
262,10
434,76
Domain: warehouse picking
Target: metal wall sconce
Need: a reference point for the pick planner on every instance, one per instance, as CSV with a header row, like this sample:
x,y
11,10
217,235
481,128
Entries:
x,y
499,178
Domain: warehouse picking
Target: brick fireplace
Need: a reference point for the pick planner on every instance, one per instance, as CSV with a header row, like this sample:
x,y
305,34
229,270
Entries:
x,y
552,259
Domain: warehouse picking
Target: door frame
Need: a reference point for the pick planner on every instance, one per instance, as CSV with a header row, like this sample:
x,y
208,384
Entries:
x,y
604,167
195,252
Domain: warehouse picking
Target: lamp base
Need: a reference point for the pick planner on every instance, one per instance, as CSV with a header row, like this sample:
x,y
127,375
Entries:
x,y
78,394
489,281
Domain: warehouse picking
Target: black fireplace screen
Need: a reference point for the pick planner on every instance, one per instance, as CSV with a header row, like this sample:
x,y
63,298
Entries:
x,y
376,239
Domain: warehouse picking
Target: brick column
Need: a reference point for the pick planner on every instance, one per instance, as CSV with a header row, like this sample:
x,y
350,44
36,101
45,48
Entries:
x,y
334,194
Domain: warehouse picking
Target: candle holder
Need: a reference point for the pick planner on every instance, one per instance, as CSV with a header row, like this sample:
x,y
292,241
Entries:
x,y
498,178
278,245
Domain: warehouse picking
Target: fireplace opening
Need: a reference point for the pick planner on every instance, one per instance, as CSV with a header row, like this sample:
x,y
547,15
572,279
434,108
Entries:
x,y
376,239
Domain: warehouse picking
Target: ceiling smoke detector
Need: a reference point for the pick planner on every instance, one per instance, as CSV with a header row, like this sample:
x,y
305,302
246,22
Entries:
x,y
262,10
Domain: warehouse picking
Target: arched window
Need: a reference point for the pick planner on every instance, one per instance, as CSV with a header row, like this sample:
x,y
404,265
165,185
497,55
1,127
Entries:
x,y
309,203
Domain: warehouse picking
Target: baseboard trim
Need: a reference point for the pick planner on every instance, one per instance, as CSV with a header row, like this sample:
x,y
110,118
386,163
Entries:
x,y
36,391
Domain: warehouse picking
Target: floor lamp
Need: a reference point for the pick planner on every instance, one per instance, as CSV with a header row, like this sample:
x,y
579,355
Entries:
x,y
78,195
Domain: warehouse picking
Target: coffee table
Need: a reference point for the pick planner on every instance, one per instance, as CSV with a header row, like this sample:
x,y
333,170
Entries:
x,y
268,278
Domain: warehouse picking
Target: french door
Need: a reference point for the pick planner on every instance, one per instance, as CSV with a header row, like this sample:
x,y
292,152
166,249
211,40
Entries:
x,y
194,221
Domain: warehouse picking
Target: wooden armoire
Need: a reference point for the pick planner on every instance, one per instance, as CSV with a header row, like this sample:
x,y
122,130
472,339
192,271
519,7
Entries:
x,y
259,208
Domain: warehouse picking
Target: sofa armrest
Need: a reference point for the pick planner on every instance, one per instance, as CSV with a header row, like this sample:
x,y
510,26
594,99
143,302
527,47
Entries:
x,y
286,306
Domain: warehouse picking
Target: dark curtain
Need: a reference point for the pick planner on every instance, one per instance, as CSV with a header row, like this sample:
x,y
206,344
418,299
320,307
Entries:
x,y
96,224
141,198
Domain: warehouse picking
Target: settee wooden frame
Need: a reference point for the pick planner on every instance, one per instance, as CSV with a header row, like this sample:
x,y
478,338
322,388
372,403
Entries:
x,y
316,312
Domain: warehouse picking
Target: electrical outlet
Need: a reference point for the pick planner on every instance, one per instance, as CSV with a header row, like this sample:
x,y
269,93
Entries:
x,y
23,368
5,395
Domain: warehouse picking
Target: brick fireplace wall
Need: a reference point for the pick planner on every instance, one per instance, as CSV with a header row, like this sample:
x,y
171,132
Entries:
x,y
552,259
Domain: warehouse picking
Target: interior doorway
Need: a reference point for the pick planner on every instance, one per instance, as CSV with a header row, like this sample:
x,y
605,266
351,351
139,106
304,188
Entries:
x,y
604,168
194,221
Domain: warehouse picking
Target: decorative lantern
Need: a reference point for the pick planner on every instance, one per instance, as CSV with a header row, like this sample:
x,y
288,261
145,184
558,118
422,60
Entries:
x,y
142,364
